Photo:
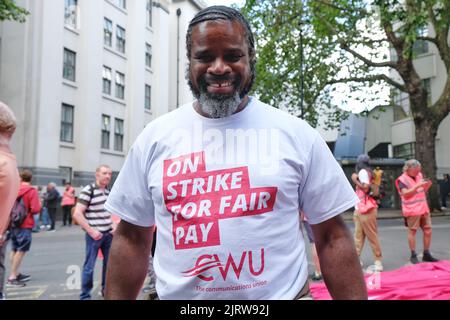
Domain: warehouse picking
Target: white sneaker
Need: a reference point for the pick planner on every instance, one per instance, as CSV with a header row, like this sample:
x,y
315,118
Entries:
x,y
378,266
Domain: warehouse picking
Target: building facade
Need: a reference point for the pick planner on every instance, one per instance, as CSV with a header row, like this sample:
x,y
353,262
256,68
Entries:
x,y
391,133
84,77
433,73
183,12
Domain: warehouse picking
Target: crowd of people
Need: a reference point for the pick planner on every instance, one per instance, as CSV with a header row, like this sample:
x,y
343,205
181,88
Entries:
x,y
51,200
25,209
412,188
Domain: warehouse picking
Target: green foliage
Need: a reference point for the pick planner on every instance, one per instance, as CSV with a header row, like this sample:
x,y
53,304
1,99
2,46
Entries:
x,y
357,43
344,42
10,11
279,28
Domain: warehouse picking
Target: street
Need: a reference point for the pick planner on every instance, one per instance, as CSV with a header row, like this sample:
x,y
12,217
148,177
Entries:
x,y
394,243
56,258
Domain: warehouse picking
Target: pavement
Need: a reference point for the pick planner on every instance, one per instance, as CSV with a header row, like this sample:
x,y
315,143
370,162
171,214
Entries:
x,y
55,264
394,214
56,258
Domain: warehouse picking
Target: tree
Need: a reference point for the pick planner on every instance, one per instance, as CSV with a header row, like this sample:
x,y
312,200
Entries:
x,y
290,72
10,11
349,40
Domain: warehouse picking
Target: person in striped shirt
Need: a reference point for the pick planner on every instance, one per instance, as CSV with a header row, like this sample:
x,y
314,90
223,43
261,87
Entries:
x,y
91,215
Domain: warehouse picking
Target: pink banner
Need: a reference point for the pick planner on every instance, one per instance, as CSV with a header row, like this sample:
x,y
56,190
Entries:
x,y
422,281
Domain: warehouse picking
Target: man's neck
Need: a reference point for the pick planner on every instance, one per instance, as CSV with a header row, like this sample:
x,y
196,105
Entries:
x,y
4,144
100,186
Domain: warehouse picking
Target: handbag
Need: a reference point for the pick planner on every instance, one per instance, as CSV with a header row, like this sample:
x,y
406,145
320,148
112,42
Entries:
x,y
366,204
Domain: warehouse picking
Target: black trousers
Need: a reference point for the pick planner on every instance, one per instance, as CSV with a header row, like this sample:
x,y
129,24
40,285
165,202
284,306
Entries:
x,y
67,214
443,200
52,214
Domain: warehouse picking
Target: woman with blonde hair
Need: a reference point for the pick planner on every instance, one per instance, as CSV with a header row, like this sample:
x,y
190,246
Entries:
x,y
412,187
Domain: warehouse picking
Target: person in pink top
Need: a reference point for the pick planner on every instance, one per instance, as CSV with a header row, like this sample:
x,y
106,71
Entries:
x,y
9,182
366,211
67,203
412,187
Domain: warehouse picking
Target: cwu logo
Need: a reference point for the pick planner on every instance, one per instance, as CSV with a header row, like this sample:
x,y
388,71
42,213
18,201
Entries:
x,y
208,265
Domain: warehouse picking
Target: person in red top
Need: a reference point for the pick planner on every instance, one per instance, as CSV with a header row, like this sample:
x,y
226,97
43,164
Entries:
x,y
67,203
21,237
412,188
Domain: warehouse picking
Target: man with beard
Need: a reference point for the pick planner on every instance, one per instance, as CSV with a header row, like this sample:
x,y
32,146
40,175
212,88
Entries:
x,y
226,228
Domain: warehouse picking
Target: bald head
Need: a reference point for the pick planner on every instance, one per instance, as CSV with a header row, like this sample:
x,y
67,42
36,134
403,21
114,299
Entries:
x,y
7,120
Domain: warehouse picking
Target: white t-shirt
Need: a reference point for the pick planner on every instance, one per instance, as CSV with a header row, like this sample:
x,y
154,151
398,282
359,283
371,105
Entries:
x,y
363,176
225,195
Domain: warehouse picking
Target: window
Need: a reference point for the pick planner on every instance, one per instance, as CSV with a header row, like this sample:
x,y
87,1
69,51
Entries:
x,y
148,97
118,135
69,65
421,46
70,13
106,128
66,173
149,12
148,55
107,78
107,33
120,85
393,54
120,39
399,113
401,104
66,133
405,151
121,3
426,84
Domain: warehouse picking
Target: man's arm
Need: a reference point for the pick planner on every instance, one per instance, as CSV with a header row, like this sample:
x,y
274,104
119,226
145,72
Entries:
x,y
78,216
359,184
35,203
427,185
408,193
338,260
128,261
52,195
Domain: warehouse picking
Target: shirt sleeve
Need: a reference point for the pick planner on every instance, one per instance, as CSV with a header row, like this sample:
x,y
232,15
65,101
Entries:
x,y
401,186
363,176
85,195
130,197
325,191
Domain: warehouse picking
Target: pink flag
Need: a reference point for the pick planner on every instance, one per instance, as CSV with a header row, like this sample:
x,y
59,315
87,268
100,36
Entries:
x,y
422,281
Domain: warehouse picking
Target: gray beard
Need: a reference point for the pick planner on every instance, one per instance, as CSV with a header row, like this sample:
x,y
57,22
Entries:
x,y
219,107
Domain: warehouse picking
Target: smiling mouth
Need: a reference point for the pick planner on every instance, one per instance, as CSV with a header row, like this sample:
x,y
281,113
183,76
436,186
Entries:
x,y
220,85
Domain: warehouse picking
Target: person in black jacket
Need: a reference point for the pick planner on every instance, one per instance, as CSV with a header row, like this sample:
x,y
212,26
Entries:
x,y
445,191
52,201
